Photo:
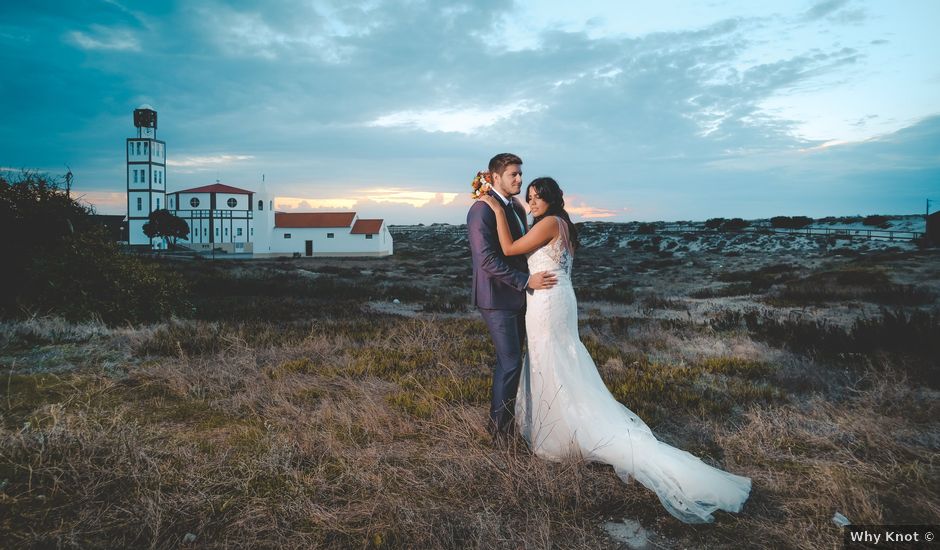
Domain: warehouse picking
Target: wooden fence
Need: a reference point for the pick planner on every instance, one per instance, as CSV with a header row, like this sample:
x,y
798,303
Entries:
x,y
838,233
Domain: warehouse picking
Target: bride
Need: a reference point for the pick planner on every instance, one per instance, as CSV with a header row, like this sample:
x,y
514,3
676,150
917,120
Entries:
x,y
563,408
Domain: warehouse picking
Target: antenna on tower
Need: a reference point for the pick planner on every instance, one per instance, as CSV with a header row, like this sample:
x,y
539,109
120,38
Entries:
x,y
68,181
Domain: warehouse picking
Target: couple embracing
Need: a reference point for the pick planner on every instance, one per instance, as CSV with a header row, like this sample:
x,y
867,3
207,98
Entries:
x,y
553,396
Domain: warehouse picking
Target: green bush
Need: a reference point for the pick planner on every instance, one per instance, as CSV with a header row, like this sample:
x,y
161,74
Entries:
x,y
735,224
876,221
60,262
714,223
790,222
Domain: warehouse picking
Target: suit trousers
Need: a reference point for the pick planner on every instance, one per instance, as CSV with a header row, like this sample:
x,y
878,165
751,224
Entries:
x,y
507,328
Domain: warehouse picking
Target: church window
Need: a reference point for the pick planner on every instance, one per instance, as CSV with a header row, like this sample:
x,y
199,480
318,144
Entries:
x,y
138,147
194,202
140,203
158,203
231,202
238,231
130,148
270,205
135,176
145,148
286,235
369,236
216,231
260,205
226,231
252,232
330,235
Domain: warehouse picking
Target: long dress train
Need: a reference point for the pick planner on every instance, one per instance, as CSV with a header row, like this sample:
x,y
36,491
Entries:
x,y
563,408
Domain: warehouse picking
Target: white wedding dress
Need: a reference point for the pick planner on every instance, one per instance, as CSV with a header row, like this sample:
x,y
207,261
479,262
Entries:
x,y
563,408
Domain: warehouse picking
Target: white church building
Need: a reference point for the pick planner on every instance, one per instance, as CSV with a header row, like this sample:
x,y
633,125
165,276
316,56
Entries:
x,y
235,220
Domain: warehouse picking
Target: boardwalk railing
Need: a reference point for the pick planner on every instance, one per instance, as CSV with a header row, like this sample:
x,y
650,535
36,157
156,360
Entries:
x,y
838,233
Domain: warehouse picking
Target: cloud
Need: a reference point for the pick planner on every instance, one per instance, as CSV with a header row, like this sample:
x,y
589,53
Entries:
x,y
372,196
105,202
103,38
467,120
201,163
303,204
824,8
586,212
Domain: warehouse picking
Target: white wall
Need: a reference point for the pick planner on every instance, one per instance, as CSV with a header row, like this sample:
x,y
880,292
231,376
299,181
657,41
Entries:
x,y
262,223
142,180
342,244
221,201
135,230
184,198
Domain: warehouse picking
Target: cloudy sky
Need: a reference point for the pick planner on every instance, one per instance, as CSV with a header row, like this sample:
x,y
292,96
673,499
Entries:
x,y
679,111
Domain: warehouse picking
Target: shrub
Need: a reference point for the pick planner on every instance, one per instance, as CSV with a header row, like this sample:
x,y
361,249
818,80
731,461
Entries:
x,y
876,221
790,222
851,284
734,224
915,337
60,262
714,223
646,229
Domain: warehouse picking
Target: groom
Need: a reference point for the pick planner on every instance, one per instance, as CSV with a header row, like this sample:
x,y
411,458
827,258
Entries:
x,y
499,286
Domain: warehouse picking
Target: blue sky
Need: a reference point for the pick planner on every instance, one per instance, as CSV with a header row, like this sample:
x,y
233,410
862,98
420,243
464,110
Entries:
x,y
678,111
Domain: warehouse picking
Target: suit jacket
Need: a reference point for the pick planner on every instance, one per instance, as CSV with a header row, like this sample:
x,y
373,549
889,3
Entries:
x,y
498,281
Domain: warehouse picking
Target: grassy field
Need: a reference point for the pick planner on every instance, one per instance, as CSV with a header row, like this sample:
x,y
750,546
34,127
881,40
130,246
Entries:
x,y
341,403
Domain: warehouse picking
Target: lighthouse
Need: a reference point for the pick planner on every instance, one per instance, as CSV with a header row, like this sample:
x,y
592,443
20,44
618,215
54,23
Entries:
x,y
146,176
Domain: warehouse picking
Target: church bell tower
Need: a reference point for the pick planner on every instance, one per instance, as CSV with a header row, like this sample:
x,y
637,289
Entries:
x,y
146,176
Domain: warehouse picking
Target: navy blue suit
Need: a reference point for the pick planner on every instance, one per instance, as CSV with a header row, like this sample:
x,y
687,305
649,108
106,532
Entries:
x,y
498,291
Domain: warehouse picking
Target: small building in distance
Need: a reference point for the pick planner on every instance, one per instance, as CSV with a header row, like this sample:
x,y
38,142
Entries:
x,y
933,227
328,234
234,220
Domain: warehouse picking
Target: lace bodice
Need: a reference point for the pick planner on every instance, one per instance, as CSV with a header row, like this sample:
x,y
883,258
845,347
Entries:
x,y
555,256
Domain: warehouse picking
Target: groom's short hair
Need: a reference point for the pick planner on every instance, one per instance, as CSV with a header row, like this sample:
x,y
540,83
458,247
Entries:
x,y
501,161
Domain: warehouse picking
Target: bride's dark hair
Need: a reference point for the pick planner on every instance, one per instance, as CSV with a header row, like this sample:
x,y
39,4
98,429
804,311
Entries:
x,y
547,189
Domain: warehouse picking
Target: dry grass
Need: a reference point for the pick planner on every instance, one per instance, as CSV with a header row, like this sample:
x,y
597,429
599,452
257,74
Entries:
x,y
345,434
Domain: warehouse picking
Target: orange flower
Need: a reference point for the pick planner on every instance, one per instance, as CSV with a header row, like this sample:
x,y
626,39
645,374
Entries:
x,y
481,184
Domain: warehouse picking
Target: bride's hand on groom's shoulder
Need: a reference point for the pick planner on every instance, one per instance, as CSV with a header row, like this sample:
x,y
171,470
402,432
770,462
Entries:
x,y
491,201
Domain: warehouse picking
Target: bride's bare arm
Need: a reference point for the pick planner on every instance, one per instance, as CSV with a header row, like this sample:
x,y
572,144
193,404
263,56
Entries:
x,y
540,234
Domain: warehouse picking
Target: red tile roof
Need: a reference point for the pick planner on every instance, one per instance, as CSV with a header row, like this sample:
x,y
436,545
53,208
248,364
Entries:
x,y
367,227
313,219
217,188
